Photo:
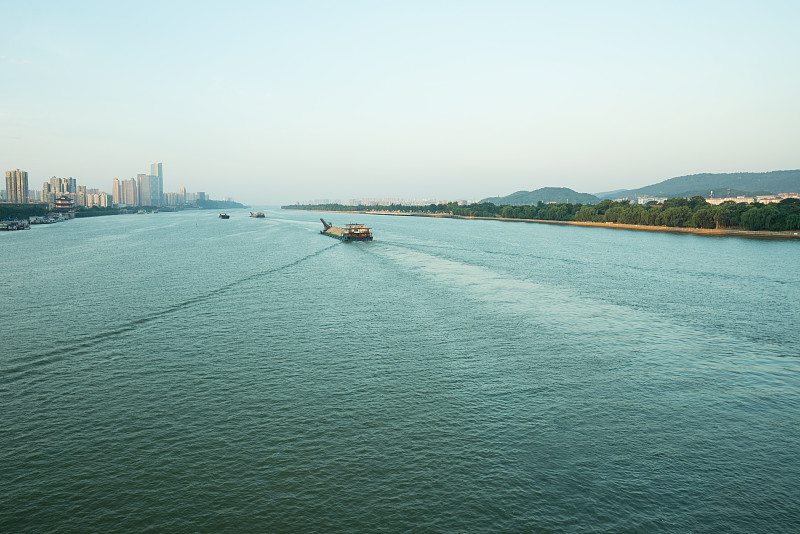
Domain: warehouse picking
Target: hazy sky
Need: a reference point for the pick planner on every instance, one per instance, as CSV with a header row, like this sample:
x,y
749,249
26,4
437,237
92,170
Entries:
x,y
273,102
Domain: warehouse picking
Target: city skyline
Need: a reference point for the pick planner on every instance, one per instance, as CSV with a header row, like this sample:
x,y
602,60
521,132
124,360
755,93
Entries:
x,y
143,190
443,100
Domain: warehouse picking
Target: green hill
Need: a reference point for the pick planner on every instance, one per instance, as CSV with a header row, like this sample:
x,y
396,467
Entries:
x,y
561,195
740,183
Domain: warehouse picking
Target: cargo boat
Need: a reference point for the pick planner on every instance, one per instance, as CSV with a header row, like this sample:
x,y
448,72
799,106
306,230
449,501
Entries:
x,y
257,215
350,232
224,216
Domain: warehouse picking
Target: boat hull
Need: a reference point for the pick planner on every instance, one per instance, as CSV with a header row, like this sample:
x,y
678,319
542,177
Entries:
x,y
345,238
351,232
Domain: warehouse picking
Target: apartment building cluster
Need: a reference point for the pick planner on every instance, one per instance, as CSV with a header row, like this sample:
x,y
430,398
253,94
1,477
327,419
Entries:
x,y
144,190
762,199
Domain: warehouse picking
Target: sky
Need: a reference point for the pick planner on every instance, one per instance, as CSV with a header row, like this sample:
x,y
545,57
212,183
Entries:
x,y
276,102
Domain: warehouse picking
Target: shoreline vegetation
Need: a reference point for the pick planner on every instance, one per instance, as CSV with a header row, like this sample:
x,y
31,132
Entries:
x,y
24,211
675,215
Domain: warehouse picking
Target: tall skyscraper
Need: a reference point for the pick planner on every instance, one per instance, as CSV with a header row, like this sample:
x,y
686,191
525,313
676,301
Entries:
x,y
131,192
149,194
17,186
80,195
157,171
143,186
47,196
117,193
62,186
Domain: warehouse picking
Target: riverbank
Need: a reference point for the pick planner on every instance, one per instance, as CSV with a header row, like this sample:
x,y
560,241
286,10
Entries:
x,y
717,232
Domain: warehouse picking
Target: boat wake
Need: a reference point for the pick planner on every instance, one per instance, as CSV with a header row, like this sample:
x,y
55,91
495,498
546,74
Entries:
x,y
22,365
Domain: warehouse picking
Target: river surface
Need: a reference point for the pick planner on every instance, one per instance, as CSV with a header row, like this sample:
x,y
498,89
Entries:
x,y
175,372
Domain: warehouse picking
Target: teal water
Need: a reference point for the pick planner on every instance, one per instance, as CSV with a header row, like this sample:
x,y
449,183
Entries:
x,y
180,373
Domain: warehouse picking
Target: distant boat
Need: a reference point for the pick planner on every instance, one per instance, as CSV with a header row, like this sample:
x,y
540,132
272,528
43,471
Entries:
x,y
257,215
224,216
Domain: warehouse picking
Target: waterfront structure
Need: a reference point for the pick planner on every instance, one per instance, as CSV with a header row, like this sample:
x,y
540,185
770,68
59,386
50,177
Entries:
x,y
17,186
64,203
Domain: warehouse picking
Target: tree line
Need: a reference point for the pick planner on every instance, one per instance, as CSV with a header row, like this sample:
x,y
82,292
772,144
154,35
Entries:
x,y
22,211
679,212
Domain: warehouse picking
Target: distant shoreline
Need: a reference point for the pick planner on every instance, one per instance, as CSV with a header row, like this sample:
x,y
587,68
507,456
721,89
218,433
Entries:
x,y
718,232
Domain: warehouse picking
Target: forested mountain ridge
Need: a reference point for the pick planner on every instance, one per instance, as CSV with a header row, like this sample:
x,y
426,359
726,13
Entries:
x,y
547,195
722,184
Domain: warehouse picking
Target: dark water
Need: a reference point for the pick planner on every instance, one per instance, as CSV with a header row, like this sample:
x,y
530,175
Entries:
x,y
180,373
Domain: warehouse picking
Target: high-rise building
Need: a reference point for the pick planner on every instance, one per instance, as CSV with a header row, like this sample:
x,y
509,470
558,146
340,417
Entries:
x,y
62,186
80,196
143,186
46,194
157,171
117,193
149,194
17,186
131,192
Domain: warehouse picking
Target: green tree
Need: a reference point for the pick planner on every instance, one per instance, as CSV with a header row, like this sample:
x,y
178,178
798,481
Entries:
x,y
697,202
703,218
676,202
675,216
753,219
586,213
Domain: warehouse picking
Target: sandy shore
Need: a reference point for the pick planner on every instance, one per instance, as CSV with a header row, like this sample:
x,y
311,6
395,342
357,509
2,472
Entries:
x,y
761,234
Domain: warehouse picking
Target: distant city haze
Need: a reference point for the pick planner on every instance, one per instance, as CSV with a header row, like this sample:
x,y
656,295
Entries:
x,y
272,103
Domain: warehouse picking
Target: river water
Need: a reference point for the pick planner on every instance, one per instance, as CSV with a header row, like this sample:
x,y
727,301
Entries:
x,y
175,372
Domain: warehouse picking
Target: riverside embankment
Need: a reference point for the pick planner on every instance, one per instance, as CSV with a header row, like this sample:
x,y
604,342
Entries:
x,y
717,232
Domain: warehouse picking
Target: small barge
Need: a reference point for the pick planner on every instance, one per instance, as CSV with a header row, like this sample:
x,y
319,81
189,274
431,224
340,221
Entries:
x,y
224,216
351,232
257,215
